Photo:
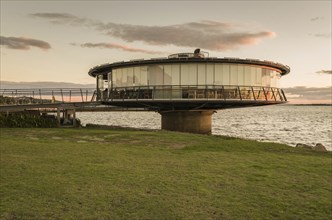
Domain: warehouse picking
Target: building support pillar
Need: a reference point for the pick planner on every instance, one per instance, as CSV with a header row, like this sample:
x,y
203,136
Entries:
x,y
198,121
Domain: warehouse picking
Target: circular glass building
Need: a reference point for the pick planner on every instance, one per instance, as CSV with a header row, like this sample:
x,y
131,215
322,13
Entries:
x,y
186,88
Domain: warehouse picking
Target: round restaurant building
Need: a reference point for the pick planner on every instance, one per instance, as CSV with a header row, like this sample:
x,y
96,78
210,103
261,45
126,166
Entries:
x,y
187,88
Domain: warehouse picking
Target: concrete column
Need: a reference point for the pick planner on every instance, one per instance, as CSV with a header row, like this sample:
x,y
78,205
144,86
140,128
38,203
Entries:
x,y
187,121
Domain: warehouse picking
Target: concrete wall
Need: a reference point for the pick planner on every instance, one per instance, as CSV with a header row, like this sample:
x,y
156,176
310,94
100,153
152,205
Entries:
x,y
187,121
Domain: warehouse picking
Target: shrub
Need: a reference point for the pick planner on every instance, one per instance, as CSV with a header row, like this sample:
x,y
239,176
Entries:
x,y
25,120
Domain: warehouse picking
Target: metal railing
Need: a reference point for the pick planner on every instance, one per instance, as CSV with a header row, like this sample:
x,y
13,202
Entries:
x,y
46,95
165,92
203,92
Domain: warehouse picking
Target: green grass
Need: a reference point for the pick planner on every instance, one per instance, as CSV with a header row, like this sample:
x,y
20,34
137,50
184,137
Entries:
x,y
126,174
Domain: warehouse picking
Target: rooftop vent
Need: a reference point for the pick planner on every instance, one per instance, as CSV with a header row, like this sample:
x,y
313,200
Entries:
x,y
197,54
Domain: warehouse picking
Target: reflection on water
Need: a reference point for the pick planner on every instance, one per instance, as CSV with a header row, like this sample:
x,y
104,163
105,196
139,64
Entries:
x,y
283,123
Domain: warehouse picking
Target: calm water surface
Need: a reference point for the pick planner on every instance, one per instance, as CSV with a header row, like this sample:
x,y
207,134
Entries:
x,y
282,123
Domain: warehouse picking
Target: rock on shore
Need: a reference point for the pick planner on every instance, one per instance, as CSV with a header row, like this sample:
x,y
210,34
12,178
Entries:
x,y
317,147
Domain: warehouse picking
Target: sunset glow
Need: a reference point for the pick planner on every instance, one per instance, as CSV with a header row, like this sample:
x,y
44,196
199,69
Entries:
x,y
60,41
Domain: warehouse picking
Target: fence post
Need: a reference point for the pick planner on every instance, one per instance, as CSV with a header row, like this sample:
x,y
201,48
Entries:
x,y
82,95
61,95
275,98
264,93
239,92
69,95
53,98
40,96
283,94
74,117
253,93
281,98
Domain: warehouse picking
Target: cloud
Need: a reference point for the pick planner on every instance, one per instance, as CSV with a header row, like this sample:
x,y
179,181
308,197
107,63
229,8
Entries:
x,y
207,34
309,93
324,72
212,35
20,43
115,46
324,35
62,18
316,18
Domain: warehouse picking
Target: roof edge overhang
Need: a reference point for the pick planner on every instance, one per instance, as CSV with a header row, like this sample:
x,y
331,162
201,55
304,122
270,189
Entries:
x,y
108,67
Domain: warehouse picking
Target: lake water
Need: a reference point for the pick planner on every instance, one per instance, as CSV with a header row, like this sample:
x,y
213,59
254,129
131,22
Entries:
x,y
279,123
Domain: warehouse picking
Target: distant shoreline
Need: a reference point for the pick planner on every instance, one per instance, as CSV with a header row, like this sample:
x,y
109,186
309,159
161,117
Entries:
x,y
310,104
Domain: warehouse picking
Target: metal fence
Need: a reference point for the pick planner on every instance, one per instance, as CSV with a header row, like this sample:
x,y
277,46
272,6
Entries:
x,y
44,96
205,92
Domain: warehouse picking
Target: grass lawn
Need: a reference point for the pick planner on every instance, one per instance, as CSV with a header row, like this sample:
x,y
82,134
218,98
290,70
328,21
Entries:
x,y
126,174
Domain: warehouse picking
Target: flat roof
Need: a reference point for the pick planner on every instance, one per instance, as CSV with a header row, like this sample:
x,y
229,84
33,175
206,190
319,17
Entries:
x,y
108,67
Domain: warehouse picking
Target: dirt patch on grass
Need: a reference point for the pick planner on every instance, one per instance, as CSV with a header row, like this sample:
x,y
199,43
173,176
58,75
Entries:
x,y
177,145
91,138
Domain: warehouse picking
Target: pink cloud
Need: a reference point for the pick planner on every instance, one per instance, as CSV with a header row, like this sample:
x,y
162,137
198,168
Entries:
x,y
212,35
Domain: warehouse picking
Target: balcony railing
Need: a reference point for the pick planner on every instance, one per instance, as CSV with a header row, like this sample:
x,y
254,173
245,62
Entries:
x,y
166,92
206,92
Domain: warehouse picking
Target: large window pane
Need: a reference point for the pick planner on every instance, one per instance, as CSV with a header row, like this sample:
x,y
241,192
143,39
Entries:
x,y
167,75
247,76
184,74
130,76
175,74
272,78
209,74
275,79
240,75
218,74
156,75
259,76
144,76
124,77
266,78
225,74
234,74
253,76
137,76
119,77
201,75
263,76
100,82
114,78
192,74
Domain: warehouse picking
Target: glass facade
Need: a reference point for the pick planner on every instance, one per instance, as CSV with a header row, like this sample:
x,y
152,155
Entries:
x,y
193,81
194,74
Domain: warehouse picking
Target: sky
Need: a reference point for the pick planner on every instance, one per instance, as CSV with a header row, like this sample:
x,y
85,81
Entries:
x,y
59,41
